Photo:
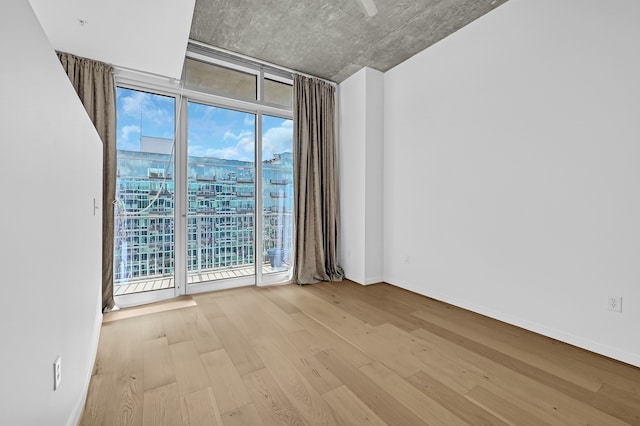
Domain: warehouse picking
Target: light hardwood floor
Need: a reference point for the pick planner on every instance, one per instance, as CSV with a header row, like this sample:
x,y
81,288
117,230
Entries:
x,y
345,354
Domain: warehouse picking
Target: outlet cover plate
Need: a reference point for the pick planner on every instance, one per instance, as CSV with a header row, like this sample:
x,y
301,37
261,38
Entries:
x,y
57,373
614,303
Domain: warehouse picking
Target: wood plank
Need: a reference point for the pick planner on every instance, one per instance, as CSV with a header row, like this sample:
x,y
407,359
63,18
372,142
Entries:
x,y
136,311
361,306
300,354
612,407
243,416
272,405
241,353
190,373
399,356
276,297
628,397
543,401
200,330
320,338
452,400
518,348
209,307
420,404
151,326
377,399
306,400
522,390
158,364
339,322
254,326
175,328
199,409
282,319
503,409
349,409
98,409
122,362
162,406
226,383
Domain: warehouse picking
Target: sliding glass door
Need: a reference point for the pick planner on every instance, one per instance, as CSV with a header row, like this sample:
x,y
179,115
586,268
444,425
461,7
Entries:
x,y
145,189
205,182
221,194
277,195
224,197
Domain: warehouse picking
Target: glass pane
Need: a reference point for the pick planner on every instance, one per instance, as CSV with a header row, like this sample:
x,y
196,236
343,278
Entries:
x,y
277,194
219,80
144,221
221,193
278,93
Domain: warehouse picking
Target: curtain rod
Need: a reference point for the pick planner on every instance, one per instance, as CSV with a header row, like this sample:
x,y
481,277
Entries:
x,y
254,60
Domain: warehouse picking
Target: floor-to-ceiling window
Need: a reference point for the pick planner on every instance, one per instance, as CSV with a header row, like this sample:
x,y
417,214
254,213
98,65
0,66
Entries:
x,y
221,193
145,187
277,194
204,181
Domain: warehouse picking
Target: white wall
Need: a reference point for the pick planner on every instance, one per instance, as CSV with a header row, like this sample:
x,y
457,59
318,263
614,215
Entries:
x,y
50,240
144,35
360,144
373,214
351,174
512,170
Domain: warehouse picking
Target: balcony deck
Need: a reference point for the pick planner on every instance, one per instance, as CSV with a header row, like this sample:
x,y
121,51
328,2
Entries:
x,y
160,283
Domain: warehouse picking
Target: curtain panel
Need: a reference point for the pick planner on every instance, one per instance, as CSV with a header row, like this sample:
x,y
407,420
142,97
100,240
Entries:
x,y
94,83
315,182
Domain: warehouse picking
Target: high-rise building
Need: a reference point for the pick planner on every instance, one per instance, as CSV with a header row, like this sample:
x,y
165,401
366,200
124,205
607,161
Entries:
x,y
220,217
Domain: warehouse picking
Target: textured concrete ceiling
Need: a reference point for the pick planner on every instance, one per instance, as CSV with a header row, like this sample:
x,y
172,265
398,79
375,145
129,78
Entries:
x,y
331,39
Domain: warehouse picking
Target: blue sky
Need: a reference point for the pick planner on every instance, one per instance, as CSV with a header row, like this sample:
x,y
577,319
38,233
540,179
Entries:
x,y
212,131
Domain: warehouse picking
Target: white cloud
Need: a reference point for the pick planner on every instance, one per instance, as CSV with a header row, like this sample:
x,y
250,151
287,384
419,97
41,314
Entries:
x,y
129,138
143,105
237,136
131,105
128,130
249,120
241,150
277,140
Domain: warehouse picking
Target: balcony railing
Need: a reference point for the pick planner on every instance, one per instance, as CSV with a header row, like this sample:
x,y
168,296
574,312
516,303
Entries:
x,y
279,181
150,283
147,251
278,195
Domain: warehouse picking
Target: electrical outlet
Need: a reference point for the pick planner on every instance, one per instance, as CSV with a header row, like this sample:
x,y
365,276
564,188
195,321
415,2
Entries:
x,y
614,303
57,373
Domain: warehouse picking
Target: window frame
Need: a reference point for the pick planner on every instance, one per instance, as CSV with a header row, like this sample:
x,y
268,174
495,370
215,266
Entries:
x,y
175,88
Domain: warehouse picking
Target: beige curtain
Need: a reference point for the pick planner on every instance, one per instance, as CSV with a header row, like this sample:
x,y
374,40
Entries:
x,y
95,86
315,182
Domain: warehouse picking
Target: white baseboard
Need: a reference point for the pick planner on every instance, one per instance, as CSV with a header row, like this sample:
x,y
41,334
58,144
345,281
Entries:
x,y
579,341
74,417
365,280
